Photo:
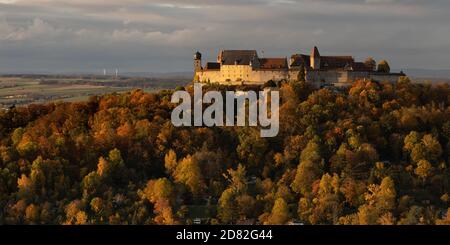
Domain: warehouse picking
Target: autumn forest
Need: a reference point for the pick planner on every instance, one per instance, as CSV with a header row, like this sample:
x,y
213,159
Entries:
x,y
374,153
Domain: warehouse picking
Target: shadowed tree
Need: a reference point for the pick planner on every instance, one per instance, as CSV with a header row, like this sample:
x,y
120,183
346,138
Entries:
x,y
383,66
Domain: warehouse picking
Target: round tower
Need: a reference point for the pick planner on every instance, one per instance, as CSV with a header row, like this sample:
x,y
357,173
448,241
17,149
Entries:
x,y
197,61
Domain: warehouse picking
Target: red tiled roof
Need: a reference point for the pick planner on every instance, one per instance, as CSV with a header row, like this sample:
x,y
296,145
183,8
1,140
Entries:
x,y
273,63
360,66
336,62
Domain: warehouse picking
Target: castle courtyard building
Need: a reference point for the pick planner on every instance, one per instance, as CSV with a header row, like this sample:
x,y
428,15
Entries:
x,y
240,67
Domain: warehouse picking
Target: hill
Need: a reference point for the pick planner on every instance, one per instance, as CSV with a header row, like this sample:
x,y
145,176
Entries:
x,y
372,154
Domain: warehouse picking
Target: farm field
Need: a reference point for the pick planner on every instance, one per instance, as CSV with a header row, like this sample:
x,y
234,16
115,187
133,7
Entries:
x,y
24,90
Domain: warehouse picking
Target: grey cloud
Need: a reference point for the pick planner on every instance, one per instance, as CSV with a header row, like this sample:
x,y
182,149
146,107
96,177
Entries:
x,y
140,35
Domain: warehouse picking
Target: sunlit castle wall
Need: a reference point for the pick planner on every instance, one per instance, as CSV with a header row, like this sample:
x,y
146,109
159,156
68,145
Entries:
x,y
207,76
236,73
241,74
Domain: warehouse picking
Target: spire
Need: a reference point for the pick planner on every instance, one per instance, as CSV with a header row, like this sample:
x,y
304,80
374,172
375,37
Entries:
x,y
315,59
315,52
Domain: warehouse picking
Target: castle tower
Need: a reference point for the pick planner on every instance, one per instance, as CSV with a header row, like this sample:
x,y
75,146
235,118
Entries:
x,y
315,59
197,61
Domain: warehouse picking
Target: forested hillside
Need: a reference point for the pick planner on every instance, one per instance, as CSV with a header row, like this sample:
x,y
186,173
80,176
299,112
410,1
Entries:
x,y
376,153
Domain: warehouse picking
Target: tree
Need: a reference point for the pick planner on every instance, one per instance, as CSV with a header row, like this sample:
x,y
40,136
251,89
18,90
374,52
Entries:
x,y
75,214
444,220
170,161
412,217
16,136
252,147
370,63
188,173
307,173
91,184
103,167
383,66
308,170
159,189
326,205
301,77
27,147
432,147
329,184
270,84
380,201
280,213
111,168
237,179
96,205
226,206
423,169
32,214
160,192
425,147
311,152
410,140
387,194
164,213
367,215
246,205
25,186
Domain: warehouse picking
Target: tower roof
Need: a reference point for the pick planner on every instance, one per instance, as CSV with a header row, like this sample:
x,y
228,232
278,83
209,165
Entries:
x,y
315,52
197,55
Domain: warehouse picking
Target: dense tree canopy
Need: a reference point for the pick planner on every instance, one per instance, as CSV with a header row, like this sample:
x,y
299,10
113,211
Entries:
x,y
374,153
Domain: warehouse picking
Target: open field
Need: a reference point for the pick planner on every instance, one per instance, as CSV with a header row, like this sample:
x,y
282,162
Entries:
x,y
24,90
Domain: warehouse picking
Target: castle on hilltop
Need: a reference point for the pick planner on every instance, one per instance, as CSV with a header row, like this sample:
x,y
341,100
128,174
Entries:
x,y
236,67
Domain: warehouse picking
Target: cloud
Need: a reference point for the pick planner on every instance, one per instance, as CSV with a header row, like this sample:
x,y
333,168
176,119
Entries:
x,y
160,35
36,30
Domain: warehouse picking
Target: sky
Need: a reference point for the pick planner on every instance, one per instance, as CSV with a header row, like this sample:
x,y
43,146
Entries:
x,y
88,36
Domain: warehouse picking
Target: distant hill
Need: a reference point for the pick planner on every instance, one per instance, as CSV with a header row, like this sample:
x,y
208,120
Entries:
x,y
180,74
166,75
429,74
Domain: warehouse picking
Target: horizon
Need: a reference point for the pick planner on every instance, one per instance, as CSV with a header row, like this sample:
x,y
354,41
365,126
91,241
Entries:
x,y
418,73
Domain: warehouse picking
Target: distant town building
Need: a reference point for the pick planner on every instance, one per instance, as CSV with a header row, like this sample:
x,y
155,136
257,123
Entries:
x,y
235,67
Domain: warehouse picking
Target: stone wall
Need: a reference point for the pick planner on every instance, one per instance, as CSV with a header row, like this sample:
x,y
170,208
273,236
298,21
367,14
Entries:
x,y
393,78
263,76
245,74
